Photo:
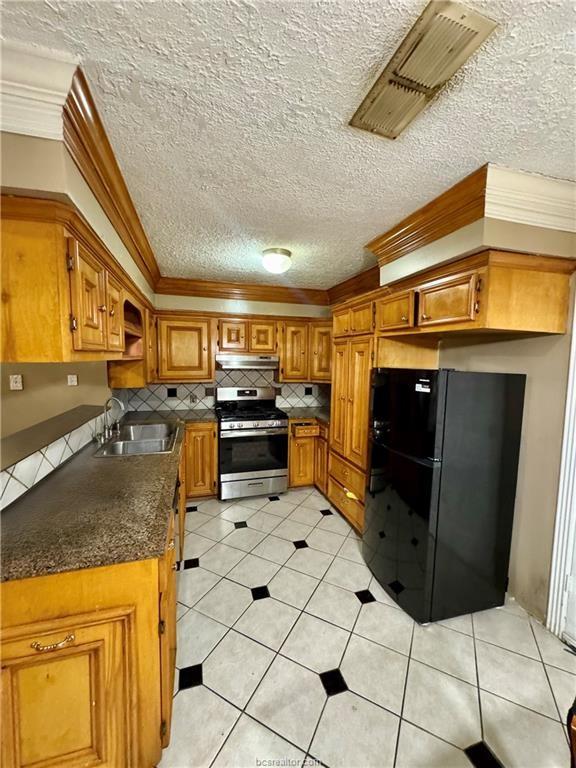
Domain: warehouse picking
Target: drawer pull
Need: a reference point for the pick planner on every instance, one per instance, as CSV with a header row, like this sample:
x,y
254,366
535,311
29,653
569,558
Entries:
x,y
53,646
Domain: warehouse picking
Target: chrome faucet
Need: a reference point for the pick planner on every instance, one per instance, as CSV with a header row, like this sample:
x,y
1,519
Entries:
x,y
108,430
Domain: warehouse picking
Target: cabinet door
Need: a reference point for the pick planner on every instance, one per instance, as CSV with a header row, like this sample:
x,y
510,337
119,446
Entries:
x,y
68,693
262,337
358,401
321,352
396,311
301,461
184,349
449,300
200,459
295,352
115,314
233,335
339,396
341,322
167,577
88,298
361,318
321,465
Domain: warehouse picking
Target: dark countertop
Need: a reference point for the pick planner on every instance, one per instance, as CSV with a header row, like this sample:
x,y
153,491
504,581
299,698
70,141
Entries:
x,y
320,412
194,414
91,512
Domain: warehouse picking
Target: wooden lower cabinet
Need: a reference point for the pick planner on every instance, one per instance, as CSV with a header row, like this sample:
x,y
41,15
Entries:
x,y
301,461
83,656
347,475
321,464
201,459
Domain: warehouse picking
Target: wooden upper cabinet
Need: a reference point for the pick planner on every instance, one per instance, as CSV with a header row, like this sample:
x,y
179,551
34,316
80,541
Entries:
x,y
294,352
233,335
449,300
320,352
338,408
341,322
200,449
358,400
88,298
115,313
262,337
68,691
362,318
395,311
353,320
184,349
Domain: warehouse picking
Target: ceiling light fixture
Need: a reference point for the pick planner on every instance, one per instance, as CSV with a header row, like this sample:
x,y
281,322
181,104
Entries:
x,y
276,260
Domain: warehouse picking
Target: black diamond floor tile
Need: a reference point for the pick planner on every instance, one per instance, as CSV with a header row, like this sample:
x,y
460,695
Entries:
x,y
192,509
273,498
193,562
333,682
190,677
396,587
481,756
241,524
365,596
300,544
259,593
325,512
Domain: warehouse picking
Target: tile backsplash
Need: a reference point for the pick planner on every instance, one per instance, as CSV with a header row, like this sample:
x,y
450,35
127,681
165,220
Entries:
x,y
190,396
20,477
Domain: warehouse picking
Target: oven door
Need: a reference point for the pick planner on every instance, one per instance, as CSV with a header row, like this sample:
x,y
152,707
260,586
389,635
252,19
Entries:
x,y
253,453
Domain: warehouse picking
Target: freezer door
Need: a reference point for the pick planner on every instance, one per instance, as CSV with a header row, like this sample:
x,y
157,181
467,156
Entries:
x,y
407,410
399,535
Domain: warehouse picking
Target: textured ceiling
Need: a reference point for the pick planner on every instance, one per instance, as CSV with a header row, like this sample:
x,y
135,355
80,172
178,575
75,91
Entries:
x,y
229,120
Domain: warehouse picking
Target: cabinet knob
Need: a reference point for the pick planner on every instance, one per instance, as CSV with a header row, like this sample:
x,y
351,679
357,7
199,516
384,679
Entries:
x,y
102,308
112,312
477,306
404,319
350,400
172,544
425,316
53,646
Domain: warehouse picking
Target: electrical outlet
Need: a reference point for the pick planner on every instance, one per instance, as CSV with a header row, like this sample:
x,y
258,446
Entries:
x,y
72,380
16,381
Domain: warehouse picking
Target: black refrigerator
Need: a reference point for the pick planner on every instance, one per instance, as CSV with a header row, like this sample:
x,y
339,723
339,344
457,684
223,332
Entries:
x,y
444,451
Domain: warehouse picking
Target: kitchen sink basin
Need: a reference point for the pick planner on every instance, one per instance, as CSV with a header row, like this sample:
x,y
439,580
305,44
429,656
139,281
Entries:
x,y
140,439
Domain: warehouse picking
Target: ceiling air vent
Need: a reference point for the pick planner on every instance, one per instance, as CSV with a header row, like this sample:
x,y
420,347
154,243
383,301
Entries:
x,y
444,37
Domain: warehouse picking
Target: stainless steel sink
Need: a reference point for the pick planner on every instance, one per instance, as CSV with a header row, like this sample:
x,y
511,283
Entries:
x,y
140,439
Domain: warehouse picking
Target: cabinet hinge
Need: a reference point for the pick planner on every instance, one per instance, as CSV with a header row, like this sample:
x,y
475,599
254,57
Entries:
x,y
479,285
69,263
372,356
163,728
73,323
161,627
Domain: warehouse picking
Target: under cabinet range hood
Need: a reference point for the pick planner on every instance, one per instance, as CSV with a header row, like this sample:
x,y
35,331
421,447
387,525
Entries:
x,y
243,362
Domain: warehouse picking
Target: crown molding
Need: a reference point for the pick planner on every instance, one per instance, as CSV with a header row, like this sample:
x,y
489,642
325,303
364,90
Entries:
x,y
178,286
89,147
529,198
460,205
365,281
33,88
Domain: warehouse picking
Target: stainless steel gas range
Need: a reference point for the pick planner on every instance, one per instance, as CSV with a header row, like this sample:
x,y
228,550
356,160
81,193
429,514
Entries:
x,y
253,443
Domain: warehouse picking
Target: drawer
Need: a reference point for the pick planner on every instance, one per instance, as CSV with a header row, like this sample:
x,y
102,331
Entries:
x,y
347,475
305,430
352,510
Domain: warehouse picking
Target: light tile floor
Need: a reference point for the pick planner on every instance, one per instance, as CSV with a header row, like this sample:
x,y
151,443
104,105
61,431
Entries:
x,y
290,651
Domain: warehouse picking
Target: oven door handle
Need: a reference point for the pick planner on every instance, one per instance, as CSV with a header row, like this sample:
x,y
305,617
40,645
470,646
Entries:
x,y
254,432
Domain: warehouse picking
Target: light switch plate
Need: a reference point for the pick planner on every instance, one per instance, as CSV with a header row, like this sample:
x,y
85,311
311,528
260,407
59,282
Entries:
x,y
16,381
72,380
